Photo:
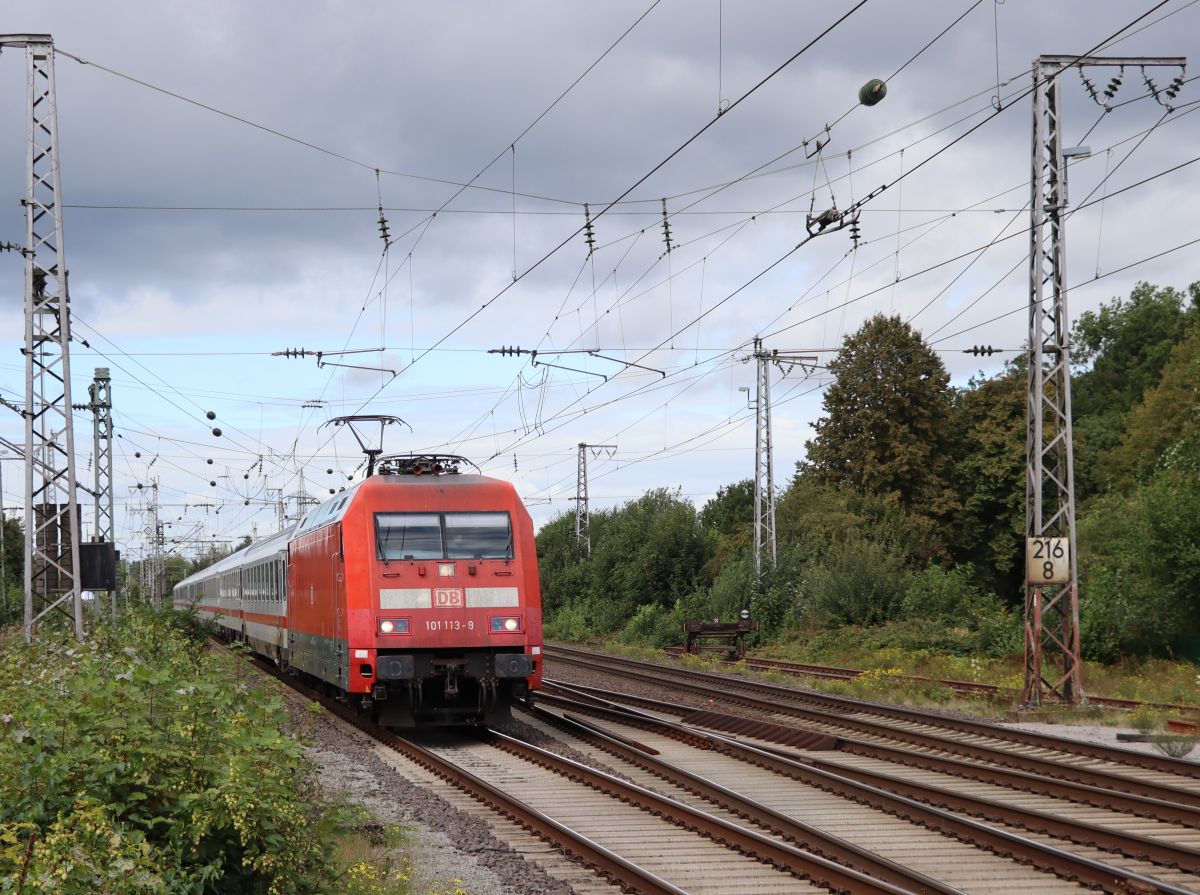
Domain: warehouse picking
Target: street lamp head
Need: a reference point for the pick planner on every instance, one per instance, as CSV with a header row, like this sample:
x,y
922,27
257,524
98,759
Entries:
x,y
1077,152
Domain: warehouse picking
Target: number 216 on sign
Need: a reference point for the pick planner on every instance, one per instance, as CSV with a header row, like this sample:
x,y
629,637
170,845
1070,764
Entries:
x,y
1047,561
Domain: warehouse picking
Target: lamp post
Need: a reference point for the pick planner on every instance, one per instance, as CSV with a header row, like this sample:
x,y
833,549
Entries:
x,y
1075,153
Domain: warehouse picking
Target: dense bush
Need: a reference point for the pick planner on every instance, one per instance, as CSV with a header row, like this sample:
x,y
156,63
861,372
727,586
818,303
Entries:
x,y
859,582
138,762
654,625
1141,568
949,596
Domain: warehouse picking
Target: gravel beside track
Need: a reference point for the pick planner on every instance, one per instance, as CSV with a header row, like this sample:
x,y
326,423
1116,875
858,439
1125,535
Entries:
x,y
1099,734
446,844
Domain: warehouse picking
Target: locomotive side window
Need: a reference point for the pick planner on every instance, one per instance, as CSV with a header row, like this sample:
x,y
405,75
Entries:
x,y
408,536
478,536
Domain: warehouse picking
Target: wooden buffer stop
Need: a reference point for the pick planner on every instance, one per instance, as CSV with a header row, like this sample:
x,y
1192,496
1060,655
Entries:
x,y
719,637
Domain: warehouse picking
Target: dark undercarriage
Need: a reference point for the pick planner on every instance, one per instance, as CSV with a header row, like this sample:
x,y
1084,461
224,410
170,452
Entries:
x,y
419,688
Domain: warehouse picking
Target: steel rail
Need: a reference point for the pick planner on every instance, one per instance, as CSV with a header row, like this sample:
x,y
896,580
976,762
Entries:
x,y
1035,820
833,672
783,855
620,870
842,704
1001,842
1152,801
805,835
1109,799
799,738
575,845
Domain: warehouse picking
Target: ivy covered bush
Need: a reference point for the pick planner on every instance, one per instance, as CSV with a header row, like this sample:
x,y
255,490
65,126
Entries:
x,y
141,762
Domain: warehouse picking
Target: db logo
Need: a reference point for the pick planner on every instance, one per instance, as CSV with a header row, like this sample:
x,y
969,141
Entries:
x,y
447,597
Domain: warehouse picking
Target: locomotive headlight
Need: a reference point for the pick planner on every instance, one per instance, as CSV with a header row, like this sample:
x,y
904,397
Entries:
x,y
393,626
506,624
445,570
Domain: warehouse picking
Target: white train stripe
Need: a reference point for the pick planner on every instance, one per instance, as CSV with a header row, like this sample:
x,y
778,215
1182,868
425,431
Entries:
x,y
490,597
405,598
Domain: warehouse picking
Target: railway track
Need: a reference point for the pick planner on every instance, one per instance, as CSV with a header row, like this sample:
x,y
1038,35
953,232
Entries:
x,y
1158,777
832,672
639,839
888,810
732,817
1105,802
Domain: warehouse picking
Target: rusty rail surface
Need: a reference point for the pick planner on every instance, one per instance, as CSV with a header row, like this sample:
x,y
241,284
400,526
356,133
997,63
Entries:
x,y
926,806
805,835
844,705
1101,797
833,672
799,861
611,865
1083,833
591,854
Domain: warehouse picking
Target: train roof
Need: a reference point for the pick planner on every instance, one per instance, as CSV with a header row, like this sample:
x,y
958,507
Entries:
x,y
335,508
260,549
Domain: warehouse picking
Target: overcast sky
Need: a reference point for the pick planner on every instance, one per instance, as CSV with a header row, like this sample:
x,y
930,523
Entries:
x,y
199,244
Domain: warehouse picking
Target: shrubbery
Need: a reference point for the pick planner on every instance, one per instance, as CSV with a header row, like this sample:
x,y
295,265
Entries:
x,y
139,762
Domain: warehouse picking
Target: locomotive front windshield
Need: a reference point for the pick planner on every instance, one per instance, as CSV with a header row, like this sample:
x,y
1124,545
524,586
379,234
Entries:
x,y
400,536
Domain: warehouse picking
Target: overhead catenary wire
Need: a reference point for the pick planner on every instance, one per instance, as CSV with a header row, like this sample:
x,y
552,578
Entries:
x,y
1024,306
1144,181
444,349
925,270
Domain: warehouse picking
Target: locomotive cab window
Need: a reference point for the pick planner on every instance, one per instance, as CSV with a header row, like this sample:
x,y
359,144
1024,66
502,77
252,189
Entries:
x,y
408,536
400,536
478,536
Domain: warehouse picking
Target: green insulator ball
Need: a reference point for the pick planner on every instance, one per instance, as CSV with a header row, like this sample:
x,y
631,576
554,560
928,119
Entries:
x,y
872,92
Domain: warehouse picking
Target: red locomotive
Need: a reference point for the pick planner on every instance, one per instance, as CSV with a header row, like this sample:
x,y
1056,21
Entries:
x,y
413,593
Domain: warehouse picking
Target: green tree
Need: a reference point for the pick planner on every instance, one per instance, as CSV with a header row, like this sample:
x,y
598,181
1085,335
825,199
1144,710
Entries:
x,y
175,569
1167,416
1119,352
651,551
732,510
887,428
11,585
1140,568
859,582
989,527
563,573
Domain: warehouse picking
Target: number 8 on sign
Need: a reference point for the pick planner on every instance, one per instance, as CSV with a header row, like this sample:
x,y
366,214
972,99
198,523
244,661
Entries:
x,y
1047,561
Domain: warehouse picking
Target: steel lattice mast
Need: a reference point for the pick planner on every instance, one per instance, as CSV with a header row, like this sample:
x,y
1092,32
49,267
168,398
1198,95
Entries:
x,y
583,519
51,507
1052,588
764,473
100,403
765,550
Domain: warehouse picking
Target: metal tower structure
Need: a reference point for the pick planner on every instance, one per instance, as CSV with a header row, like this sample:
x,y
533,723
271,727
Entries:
x,y
51,507
764,465
100,403
1052,662
583,522
154,532
765,552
